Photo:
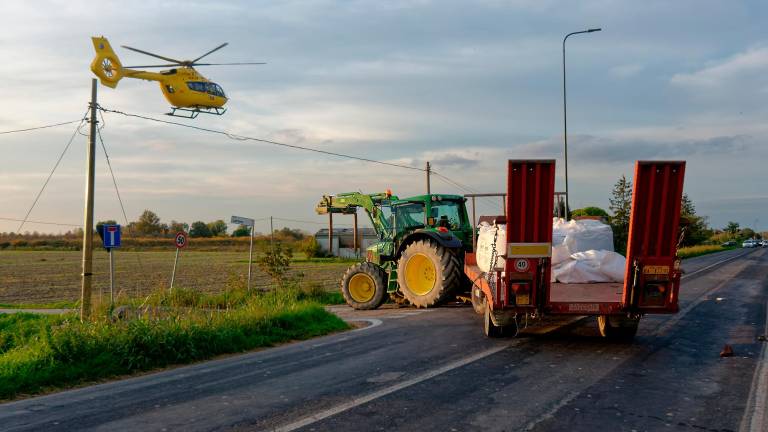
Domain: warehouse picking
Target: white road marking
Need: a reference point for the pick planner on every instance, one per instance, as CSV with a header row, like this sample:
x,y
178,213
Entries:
x,y
713,265
659,330
674,319
374,323
391,389
549,414
756,414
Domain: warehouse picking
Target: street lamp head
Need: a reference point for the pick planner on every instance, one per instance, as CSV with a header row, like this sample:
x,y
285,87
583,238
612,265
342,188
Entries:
x,y
593,30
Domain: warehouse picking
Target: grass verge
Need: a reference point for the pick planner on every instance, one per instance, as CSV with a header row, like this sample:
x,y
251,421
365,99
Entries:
x,y
694,251
38,352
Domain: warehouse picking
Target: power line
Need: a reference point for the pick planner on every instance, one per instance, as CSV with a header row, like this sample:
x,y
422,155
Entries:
x,y
34,203
247,138
307,222
487,201
39,222
40,127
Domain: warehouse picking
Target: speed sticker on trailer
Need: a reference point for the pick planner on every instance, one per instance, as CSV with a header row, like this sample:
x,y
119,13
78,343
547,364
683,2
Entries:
x,y
656,270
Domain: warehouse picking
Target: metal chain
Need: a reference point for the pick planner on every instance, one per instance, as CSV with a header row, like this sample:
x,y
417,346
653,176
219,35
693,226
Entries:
x,y
494,258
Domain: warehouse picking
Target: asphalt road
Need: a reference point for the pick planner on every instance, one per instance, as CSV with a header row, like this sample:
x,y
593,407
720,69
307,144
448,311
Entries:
x,y
432,370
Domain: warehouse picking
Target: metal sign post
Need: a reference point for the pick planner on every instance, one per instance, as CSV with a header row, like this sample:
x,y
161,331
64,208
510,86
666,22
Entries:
x,y
110,238
251,223
180,241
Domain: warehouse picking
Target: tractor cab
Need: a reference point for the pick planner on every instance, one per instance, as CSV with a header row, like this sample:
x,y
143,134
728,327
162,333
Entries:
x,y
443,215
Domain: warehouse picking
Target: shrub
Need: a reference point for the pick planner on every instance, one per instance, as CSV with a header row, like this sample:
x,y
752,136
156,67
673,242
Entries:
x,y
311,248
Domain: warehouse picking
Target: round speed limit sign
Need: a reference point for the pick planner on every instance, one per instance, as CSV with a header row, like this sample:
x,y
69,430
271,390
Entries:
x,y
521,265
181,240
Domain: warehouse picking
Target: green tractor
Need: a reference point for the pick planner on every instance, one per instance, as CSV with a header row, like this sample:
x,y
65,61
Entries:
x,y
420,252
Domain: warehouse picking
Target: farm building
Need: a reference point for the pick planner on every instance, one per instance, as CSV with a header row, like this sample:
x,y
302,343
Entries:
x,y
343,241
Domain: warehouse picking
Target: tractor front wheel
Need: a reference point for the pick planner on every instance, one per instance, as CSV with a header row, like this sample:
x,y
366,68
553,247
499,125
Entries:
x,y
428,273
364,286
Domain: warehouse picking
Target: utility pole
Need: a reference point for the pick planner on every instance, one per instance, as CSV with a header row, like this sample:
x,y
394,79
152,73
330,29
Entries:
x,y
428,170
565,122
271,235
330,233
85,292
354,233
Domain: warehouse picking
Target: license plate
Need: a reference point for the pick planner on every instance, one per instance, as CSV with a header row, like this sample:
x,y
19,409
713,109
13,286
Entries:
x,y
523,299
656,270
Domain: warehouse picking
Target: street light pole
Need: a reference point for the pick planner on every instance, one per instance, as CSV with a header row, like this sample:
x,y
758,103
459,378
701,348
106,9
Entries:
x,y
565,122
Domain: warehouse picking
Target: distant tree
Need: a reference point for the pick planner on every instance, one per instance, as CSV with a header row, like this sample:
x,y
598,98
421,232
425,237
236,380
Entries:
x,y
176,226
696,230
621,206
218,228
732,228
289,234
99,224
149,224
241,231
747,233
200,229
589,211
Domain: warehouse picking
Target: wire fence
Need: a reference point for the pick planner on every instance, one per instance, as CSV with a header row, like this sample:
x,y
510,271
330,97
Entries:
x,y
49,276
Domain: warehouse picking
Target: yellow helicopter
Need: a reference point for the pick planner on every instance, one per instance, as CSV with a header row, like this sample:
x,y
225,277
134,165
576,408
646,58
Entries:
x,y
188,92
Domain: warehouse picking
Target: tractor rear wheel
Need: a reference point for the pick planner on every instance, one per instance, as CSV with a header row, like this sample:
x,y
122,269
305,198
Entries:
x,y
364,286
617,328
428,273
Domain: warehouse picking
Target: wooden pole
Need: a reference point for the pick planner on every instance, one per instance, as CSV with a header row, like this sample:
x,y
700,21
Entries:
x,y
354,240
429,188
330,233
85,291
271,235
474,227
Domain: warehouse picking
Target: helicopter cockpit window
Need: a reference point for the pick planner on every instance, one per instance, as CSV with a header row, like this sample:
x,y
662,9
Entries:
x,y
196,86
214,89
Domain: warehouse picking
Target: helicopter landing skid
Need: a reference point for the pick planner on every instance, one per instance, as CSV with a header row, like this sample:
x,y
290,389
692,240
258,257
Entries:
x,y
191,113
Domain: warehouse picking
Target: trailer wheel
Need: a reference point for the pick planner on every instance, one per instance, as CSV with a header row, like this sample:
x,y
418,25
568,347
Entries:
x,y
490,329
478,299
617,328
364,286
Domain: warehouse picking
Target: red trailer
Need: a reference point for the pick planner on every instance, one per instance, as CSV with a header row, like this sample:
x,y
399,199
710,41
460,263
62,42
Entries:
x,y
524,289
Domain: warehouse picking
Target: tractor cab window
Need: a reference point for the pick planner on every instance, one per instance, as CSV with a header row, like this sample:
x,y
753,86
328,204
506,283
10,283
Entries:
x,y
409,216
446,214
386,216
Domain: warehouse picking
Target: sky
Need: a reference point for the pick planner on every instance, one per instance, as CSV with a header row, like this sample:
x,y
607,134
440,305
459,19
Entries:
x,y
464,85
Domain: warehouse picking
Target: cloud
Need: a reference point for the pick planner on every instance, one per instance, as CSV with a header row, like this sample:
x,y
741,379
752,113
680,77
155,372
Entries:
x,y
601,149
748,63
625,71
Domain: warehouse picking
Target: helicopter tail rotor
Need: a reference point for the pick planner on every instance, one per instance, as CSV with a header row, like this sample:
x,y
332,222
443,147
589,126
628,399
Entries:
x,y
106,65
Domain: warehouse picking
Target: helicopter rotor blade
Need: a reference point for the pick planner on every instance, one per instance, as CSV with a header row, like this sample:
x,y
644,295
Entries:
x,y
153,55
151,66
211,51
225,64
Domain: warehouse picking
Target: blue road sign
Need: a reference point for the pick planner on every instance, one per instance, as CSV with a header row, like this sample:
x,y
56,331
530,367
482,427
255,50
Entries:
x,y
111,236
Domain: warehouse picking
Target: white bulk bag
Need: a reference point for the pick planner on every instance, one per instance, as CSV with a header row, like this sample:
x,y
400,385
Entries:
x,y
485,246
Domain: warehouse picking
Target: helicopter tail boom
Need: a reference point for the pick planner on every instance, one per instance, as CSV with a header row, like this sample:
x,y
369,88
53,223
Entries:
x,y
106,65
